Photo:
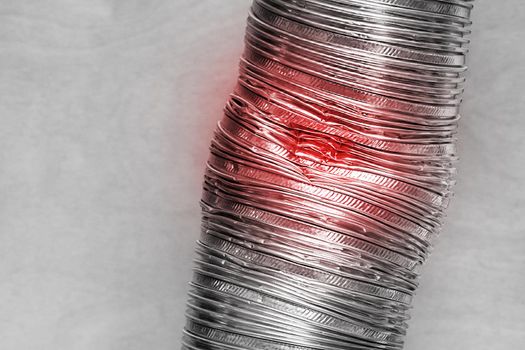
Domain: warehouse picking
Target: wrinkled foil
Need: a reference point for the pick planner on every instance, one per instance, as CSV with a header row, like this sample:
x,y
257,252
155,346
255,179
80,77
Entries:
x,y
329,174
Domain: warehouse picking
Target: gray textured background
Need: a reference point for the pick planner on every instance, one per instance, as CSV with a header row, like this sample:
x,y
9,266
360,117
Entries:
x,y
106,110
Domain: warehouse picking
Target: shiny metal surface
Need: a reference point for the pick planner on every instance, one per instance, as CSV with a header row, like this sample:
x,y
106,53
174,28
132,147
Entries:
x,y
329,174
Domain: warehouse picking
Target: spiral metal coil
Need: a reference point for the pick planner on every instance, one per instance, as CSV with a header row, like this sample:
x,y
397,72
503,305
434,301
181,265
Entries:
x,y
328,175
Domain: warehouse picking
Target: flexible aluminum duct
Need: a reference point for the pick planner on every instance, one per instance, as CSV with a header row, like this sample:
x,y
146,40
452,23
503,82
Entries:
x,y
328,174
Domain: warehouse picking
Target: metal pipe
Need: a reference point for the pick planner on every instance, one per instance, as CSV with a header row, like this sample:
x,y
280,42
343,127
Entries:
x,y
329,174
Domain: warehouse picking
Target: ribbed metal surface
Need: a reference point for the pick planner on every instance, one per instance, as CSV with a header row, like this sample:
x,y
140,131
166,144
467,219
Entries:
x,y
328,174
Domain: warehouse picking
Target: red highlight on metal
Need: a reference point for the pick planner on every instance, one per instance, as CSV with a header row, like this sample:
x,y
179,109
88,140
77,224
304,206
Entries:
x,y
329,174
